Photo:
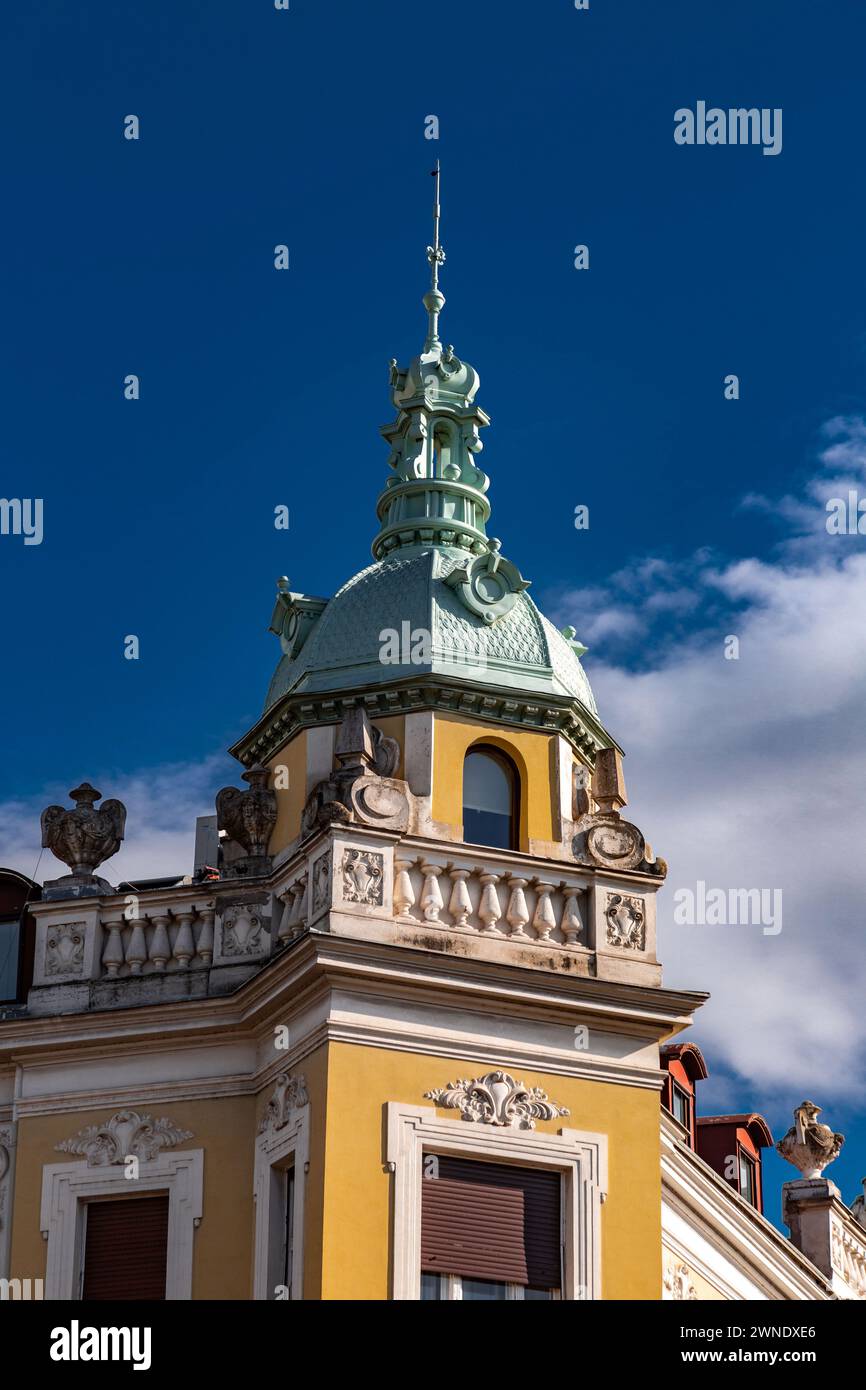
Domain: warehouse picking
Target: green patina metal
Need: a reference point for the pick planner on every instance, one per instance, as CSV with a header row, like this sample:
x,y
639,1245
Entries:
x,y
440,600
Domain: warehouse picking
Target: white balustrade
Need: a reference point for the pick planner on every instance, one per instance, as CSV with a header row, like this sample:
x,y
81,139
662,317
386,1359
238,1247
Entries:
x,y
168,940
488,899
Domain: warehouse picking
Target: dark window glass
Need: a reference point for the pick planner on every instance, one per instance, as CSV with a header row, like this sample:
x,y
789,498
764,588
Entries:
x,y
682,1107
747,1178
9,939
288,1229
431,1287
477,1289
489,786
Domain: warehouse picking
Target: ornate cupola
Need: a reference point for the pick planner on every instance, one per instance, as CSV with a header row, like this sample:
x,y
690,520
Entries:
x,y
437,494
438,579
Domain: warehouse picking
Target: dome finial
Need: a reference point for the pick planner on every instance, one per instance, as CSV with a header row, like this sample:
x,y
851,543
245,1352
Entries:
x,y
434,299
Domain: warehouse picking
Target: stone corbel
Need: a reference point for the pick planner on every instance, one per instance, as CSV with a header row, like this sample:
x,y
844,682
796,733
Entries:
x,y
603,839
362,788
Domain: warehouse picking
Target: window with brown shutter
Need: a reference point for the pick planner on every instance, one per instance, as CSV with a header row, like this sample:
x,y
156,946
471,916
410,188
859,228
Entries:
x,y
125,1248
490,1222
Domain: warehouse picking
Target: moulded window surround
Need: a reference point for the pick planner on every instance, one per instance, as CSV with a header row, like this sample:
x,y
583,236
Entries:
x,y
580,1158
67,1187
277,1151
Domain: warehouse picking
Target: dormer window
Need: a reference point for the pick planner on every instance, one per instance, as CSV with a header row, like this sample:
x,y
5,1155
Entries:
x,y
681,1106
489,799
748,1185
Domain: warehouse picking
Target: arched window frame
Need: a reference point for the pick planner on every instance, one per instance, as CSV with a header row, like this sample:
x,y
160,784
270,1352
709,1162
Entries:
x,y
513,773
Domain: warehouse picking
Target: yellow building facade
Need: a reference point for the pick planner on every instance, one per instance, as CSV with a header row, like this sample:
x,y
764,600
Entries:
x,y
397,1035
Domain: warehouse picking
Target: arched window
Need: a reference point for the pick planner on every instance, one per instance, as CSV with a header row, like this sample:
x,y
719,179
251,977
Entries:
x,y
489,799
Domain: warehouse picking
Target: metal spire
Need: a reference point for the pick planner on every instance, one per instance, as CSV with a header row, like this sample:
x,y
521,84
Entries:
x,y
434,299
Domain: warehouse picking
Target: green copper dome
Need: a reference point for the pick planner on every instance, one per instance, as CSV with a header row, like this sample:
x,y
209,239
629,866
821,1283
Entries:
x,y
400,618
441,599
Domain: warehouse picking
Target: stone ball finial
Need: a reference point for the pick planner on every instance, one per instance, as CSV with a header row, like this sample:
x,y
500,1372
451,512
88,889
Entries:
x,y
808,1145
84,837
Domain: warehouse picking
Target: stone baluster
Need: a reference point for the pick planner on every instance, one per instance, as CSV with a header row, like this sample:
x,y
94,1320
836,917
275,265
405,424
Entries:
x,y
431,896
543,920
490,908
517,915
184,946
572,926
112,954
160,948
460,903
136,946
298,919
404,893
287,899
205,937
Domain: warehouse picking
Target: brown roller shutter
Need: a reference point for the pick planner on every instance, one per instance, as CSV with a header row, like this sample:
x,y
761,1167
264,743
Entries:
x,y
125,1249
491,1221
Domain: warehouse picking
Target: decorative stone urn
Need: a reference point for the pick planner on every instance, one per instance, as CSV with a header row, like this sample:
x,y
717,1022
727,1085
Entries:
x,y
248,818
808,1145
83,838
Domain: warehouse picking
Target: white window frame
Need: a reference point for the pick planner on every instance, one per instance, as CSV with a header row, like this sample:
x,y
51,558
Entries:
x,y
68,1187
452,1290
276,1149
579,1157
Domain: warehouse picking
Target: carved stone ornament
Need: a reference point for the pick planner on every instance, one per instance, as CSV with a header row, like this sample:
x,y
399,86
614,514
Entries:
x,y
363,877
380,801
362,788
242,931
615,843
497,1099
609,842
290,1094
84,837
125,1133
678,1283
848,1256
321,883
626,924
603,838
64,949
249,817
808,1145
7,1143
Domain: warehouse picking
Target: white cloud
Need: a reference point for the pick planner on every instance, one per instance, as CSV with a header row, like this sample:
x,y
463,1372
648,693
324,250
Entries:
x,y
751,773
162,804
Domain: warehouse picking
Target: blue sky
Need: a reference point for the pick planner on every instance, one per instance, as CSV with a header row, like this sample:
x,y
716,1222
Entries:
x,y
261,388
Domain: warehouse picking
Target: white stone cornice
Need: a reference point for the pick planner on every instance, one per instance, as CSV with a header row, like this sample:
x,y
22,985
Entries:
x,y
740,1234
626,1007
